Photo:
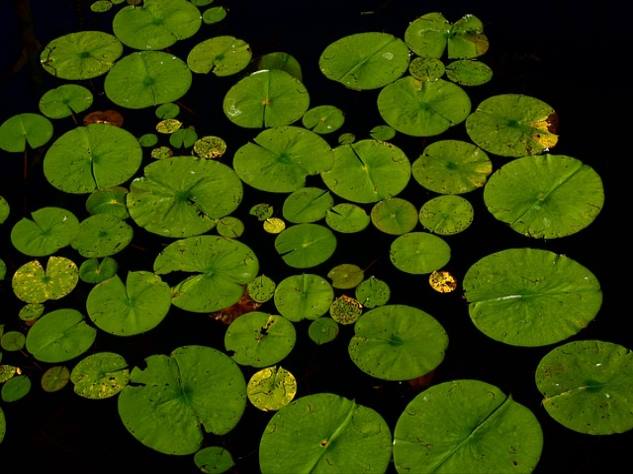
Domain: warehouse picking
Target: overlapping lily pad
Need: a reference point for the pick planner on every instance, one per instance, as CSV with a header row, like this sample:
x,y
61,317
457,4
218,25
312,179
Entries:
x,y
22,130
305,296
282,61
305,245
48,230
108,201
222,56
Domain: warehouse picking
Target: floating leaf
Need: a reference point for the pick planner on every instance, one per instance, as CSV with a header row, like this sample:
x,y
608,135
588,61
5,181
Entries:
x,y
167,404
347,218
261,289
307,205
7,372
530,297
148,140
31,311
323,330
101,6
230,227
365,60
323,119
102,235
65,100
96,271
55,378
162,152
268,98
373,292
394,216
305,296
367,171
469,73
466,426
274,225
546,196
48,230
21,130
3,425
346,138
222,55
209,147
442,282
419,253
183,138
15,388
59,336
345,310
282,61
168,126
224,267
305,245
271,388
213,460
108,201
382,132
447,215
101,375
214,15
426,69
587,386
325,433
423,109
5,209
3,269
397,342
12,341
262,211
346,276
32,284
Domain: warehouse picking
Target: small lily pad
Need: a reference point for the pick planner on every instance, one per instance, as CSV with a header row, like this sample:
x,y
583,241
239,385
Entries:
x,y
55,378
373,292
222,56
5,209
307,205
271,388
346,276
209,147
323,119
3,425
12,341
168,126
101,6
65,101
274,225
261,289
347,218
102,235
101,375
305,296
426,69
183,138
95,271
469,73
213,460
15,389
31,311
282,61
166,111
323,330
21,130
48,230
32,284
446,215
108,201
345,310
346,138
394,216
213,15
230,227
382,132
442,281
262,211
419,253
305,245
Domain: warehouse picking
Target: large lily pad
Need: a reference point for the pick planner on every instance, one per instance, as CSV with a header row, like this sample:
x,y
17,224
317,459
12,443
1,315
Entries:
x,y
147,78
176,397
48,230
423,108
21,130
32,284
96,156
397,342
65,101
466,426
325,433
130,308
305,245
513,125
305,296
222,56
587,386
101,375
530,297
183,196
223,267
419,253
365,60
157,24
102,235
267,98
545,196
279,160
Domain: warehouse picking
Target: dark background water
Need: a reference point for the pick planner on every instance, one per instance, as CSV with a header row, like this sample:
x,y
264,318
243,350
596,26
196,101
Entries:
x,y
560,52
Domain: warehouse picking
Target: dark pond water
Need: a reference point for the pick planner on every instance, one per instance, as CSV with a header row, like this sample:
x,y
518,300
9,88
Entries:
x,y
555,51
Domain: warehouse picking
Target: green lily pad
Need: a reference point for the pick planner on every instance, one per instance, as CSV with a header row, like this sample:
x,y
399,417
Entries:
x,y
513,125
347,218
447,215
346,276
21,130
307,205
148,140
31,311
170,402
305,296
259,339
7,372
373,292
5,209
130,308
213,15
367,171
426,69
230,227
397,342
213,460
108,201
279,160
419,253
224,267
147,78
345,310
222,55
101,6
452,167
267,98
323,119
587,386
183,138
530,297
469,73
382,133
3,269
32,284
102,235
261,289
305,245
183,196
48,230
365,60
12,341
167,111
157,24
81,55
162,152
282,61
59,336
466,426
15,389
346,138
65,101
325,433
97,156
394,216
546,196
323,330
55,378
95,271
101,375
423,108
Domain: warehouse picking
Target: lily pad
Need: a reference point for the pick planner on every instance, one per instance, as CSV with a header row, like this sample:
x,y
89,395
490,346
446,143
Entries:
x,y
81,55
469,73
282,61
21,130
223,267
31,311
397,342
101,375
373,292
222,56
48,230
323,119
183,196
419,253
3,269
12,341
347,218
346,276
346,138
5,209
3,425
447,215
213,15
157,24
466,426
394,216
168,126
97,156
271,388
368,171
262,211
382,132
102,235
108,201
587,386
345,310
183,138
230,227
259,339
268,98
55,378
546,196
59,336
323,330
166,111
101,6
324,432
130,308
147,78
365,60
513,125
15,389
530,297
307,205
305,245
423,108
65,101
274,225
213,460
169,403
305,296
261,289
95,271
426,69
32,284
452,167
210,147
